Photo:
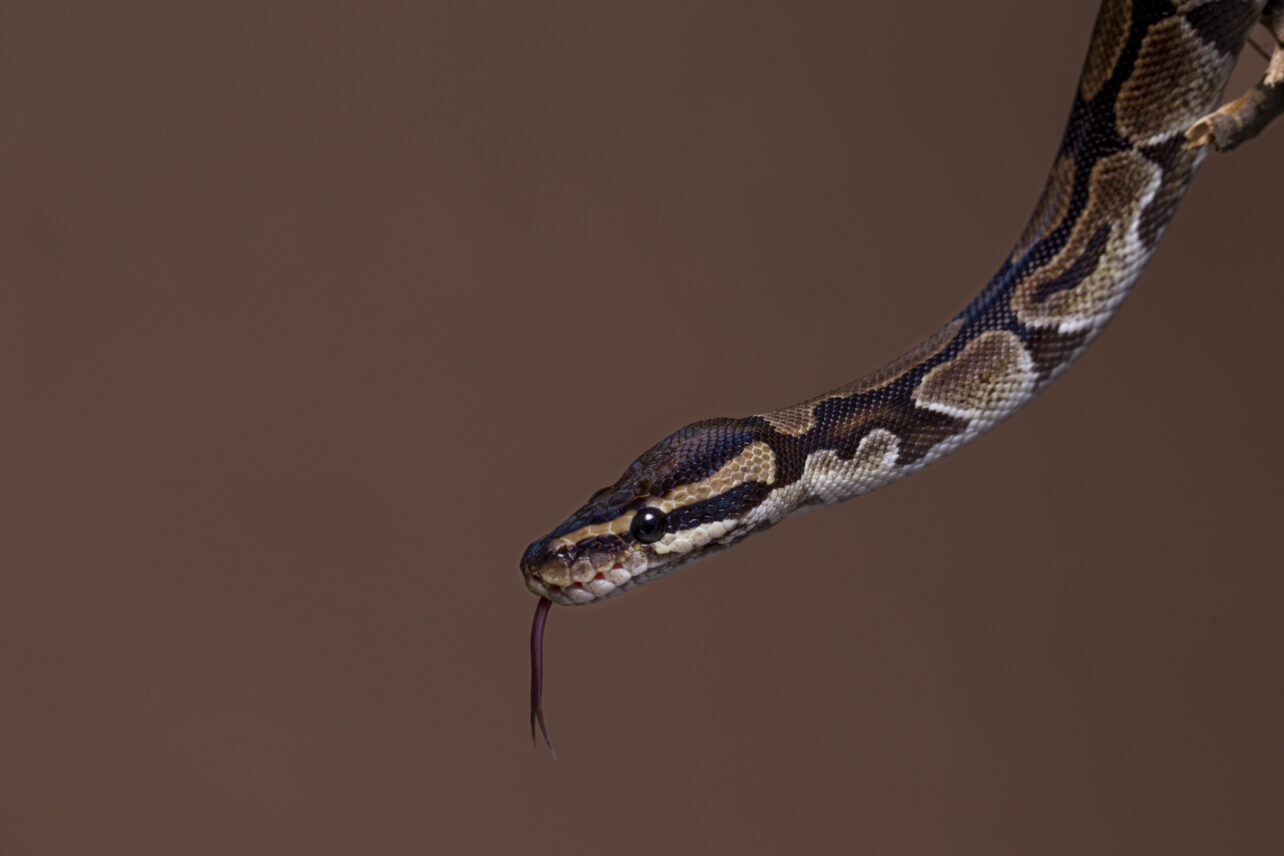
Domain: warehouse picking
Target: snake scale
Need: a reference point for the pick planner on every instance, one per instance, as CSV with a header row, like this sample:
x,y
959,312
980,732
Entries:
x,y
1153,68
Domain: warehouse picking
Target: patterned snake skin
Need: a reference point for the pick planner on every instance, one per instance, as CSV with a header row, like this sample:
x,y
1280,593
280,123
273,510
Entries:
x,y
1153,69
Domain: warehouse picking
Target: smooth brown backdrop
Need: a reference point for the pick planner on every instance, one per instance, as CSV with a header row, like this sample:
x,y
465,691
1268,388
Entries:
x,y
313,316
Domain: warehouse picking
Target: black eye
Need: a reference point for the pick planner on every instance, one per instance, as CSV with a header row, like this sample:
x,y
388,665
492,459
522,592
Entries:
x,y
648,525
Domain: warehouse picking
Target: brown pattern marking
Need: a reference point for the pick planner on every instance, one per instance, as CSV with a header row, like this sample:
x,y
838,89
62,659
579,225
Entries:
x,y
991,375
756,463
618,526
832,478
1109,37
1052,207
1223,23
1051,350
798,419
1178,163
916,428
877,446
1175,79
1119,181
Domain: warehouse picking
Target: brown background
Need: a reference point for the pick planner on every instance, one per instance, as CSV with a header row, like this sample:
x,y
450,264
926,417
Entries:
x,y
314,317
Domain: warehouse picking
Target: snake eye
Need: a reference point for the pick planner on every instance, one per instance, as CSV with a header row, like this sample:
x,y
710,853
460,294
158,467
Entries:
x,y
648,525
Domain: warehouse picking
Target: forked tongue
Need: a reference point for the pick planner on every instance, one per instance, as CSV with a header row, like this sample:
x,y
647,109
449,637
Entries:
x,y
537,673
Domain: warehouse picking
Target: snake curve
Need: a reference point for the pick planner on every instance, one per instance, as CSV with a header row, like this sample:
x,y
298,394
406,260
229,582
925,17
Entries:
x,y
1153,68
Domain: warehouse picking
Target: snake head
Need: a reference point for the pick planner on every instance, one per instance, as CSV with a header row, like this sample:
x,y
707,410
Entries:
x,y
690,495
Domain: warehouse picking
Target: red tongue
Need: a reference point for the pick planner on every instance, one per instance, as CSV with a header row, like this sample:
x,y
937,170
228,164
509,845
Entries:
x,y
537,672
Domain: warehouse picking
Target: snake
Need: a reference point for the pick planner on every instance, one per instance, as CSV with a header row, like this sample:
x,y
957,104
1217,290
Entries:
x,y
1153,69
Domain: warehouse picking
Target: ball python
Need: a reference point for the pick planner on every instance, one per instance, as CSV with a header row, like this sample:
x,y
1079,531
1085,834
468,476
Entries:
x,y
1153,69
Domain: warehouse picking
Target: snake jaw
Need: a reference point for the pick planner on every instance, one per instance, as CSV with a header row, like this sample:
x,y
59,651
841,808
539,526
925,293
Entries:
x,y
562,574
570,576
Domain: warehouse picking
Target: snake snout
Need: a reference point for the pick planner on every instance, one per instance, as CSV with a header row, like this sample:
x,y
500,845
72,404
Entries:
x,y
546,569
569,574
542,566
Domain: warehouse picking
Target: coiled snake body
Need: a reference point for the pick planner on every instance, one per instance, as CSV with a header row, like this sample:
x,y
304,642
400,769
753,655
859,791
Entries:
x,y
1153,69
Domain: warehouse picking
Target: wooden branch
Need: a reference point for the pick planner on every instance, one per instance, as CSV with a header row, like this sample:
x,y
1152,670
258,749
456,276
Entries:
x,y
1246,116
1241,119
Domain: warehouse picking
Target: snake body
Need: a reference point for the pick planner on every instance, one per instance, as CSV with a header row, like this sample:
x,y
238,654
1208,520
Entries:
x,y
1153,69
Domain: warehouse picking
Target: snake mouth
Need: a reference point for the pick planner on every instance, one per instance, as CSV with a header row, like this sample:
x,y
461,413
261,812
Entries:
x,y
589,572
568,579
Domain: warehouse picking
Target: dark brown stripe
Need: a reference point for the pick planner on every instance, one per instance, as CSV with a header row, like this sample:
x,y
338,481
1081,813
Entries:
x,y
1223,24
